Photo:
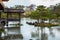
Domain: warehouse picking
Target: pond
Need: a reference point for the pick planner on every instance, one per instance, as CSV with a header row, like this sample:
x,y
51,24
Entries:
x,y
31,32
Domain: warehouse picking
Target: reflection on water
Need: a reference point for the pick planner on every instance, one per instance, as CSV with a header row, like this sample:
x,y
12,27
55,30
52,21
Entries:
x,y
30,32
44,36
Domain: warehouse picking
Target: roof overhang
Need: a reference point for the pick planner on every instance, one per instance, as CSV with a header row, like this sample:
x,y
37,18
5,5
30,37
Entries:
x,y
8,10
3,0
1,6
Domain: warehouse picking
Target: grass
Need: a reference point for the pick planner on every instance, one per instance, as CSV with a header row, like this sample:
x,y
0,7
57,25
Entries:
x,y
46,24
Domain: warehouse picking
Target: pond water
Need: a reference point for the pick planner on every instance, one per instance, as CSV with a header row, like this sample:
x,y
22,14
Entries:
x,y
31,32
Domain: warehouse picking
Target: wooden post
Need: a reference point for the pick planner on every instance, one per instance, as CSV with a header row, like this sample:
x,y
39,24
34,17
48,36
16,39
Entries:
x,y
0,14
19,20
7,23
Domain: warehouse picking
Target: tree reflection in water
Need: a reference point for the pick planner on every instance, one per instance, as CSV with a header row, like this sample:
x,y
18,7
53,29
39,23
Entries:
x,y
44,36
51,32
34,34
40,36
58,29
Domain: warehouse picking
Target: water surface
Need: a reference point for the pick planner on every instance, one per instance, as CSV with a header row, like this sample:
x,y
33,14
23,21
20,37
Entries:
x,y
31,32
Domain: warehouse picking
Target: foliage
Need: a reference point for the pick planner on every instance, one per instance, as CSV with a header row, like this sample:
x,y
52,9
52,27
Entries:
x,y
56,10
35,15
40,13
27,13
53,16
12,15
3,15
19,6
1,30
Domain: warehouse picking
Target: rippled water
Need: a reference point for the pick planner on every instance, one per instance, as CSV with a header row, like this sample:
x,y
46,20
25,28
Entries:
x,y
31,32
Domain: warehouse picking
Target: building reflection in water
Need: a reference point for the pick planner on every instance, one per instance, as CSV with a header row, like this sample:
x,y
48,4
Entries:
x,y
31,32
13,31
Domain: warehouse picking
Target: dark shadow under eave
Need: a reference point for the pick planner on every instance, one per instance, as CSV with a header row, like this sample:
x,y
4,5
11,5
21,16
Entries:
x,y
1,7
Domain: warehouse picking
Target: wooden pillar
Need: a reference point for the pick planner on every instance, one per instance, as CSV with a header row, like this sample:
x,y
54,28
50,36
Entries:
x,y
1,8
19,20
0,14
7,23
7,19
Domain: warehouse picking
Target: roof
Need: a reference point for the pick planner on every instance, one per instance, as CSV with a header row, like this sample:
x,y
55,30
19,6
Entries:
x,y
1,6
3,0
8,10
